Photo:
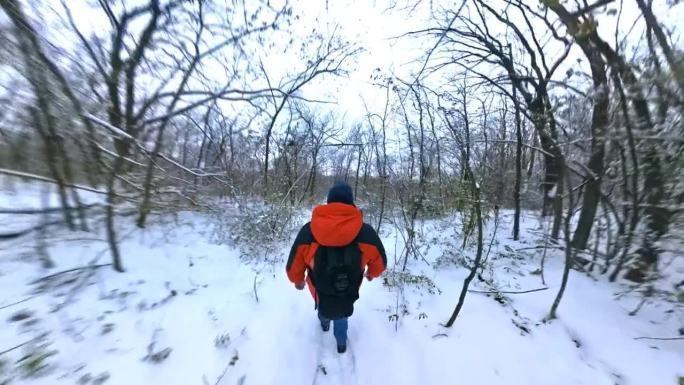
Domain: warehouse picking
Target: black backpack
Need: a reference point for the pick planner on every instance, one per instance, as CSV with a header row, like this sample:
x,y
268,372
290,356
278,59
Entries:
x,y
337,271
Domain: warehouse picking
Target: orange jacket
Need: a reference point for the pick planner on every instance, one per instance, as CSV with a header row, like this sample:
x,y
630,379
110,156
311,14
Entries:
x,y
335,224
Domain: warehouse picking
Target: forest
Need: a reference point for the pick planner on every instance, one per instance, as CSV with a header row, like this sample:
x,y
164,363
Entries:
x,y
521,160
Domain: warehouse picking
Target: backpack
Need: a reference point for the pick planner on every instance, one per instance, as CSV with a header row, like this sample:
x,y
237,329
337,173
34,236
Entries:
x,y
337,270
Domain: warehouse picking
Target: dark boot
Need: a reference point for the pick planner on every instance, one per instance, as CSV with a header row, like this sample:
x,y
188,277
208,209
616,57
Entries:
x,y
341,348
325,322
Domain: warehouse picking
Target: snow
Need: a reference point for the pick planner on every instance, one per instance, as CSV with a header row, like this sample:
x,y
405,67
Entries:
x,y
24,195
552,192
277,340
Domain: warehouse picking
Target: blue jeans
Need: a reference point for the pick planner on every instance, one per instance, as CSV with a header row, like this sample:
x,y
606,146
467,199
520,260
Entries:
x,y
339,328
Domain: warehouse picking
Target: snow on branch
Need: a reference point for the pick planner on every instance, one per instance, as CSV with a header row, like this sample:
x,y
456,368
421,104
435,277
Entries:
x,y
112,153
115,130
121,134
180,194
511,142
507,292
30,211
173,162
48,277
659,338
46,179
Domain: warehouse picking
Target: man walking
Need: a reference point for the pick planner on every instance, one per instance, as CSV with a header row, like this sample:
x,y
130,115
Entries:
x,y
331,254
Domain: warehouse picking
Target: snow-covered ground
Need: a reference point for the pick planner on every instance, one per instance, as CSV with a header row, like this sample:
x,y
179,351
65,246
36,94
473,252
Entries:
x,y
186,312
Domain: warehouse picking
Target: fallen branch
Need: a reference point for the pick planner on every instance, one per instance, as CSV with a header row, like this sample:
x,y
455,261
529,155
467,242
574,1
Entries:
x,y
17,347
659,338
512,142
180,194
530,248
46,179
256,295
507,292
46,210
558,247
40,337
18,302
20,233
119,133
69,271
112,153
180,166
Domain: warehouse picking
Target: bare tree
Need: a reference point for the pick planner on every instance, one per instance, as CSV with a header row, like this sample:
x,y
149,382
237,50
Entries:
x,y
330,58
477,207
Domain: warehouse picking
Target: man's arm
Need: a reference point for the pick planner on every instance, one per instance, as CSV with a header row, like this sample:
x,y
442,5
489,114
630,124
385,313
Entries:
x,y
296,264
373,252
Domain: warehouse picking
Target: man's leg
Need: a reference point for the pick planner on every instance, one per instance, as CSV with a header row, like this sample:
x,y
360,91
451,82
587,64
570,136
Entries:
x,y
341,325
325,322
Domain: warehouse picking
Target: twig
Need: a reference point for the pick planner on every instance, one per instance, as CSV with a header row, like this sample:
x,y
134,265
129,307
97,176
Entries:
x,y
439,41
119,133
18,302
69,271
659,338
20,233
112,153
513,142
530,248
256,296
22,344
180,166
46,210
225,370
507,292
546,247
46,179
491,242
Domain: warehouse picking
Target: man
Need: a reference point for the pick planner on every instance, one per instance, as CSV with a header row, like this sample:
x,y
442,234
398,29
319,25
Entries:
x,y
331,254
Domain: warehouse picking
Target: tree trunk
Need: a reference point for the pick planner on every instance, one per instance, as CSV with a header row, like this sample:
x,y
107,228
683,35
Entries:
x,y
109,216
536,108
478,256
675,63
269,132
530,165
518,166
51,160
16,14
569,257
632,181
657,219
599,122
358,168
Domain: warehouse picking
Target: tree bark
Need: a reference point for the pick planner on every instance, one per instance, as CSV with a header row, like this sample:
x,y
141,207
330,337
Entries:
x,y
599,123
518,165
657,218
676,65
475,187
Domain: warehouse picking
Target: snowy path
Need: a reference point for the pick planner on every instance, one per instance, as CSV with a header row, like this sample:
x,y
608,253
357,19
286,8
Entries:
x,y
110,325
